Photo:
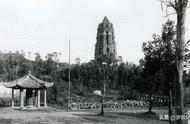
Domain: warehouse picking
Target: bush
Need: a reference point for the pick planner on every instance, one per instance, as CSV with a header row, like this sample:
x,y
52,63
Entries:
x,y
4,102
127,93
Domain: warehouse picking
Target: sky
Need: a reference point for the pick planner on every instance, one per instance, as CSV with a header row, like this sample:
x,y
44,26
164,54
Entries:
x,y
45,26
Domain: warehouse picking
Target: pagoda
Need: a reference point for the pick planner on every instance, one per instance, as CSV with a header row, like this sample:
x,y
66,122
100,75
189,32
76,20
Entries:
x,y
105,45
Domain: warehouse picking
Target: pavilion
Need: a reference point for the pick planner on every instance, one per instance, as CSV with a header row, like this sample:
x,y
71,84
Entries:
x,y
33,86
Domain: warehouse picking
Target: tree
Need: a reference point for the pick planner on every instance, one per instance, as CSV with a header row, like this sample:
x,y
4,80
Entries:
x,y
77,61
37,67
169,61
160,58
151,76
180,7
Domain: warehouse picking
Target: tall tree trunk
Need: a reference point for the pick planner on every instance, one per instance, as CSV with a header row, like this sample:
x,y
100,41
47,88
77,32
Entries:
x,y
181,13
150,102
170,104
169,79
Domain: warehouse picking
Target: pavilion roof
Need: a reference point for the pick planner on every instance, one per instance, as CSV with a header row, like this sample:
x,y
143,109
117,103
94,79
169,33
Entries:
x,y
28,82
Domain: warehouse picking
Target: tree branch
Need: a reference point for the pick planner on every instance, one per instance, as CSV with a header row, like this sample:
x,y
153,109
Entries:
x,y
170,14
169,4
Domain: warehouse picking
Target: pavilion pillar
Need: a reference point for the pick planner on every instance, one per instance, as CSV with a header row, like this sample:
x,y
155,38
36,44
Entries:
x,y
21,98
33,97
38,99
13,100
45,98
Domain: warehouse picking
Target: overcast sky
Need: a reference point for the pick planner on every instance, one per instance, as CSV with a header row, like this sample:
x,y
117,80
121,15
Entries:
x,y
45,26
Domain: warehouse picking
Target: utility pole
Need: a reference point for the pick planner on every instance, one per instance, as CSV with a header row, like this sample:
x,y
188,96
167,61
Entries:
x,y
69,78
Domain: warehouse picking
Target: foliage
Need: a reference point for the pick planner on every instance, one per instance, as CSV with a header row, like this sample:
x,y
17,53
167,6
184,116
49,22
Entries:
x,y
160,61
5,102
85,77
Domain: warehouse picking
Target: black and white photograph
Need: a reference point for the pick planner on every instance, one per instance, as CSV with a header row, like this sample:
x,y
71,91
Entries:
x,y
94,62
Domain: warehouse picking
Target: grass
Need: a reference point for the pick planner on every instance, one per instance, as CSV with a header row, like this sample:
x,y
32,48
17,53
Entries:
x,y
123,117
53,115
